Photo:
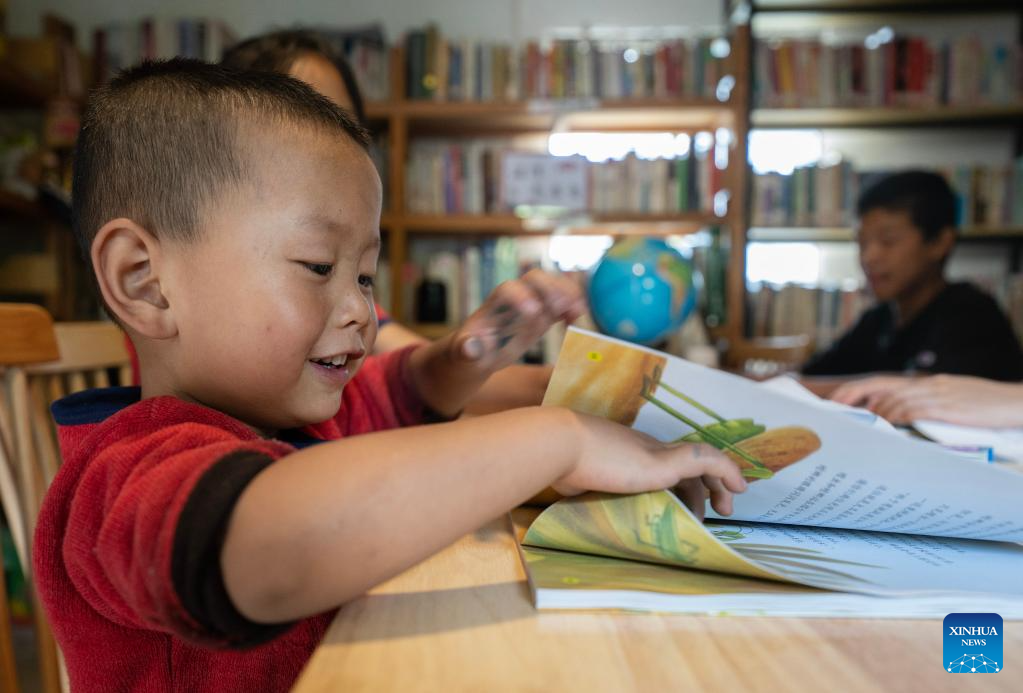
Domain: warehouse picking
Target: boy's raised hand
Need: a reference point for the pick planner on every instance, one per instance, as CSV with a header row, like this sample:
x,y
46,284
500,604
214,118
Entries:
x,y
514,317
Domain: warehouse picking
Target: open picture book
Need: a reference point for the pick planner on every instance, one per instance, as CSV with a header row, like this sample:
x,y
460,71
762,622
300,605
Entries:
x,y
841,517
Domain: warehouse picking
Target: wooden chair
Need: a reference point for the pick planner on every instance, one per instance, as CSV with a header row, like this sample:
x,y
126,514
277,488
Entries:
x,y
767,357
28,337
37,371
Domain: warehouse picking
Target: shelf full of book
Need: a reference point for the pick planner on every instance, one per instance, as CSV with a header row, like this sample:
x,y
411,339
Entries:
x,y
438,150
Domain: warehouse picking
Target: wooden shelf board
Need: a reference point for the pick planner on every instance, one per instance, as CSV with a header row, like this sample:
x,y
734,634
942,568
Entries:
x,y
992,233
610,224
867,117
886,6
800,234
568,115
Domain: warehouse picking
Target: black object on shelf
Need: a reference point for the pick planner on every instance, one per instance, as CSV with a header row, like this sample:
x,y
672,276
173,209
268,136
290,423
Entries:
x,y
431,301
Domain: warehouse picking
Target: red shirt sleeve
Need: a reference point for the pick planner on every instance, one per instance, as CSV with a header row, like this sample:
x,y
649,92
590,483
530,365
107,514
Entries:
x,y
120,533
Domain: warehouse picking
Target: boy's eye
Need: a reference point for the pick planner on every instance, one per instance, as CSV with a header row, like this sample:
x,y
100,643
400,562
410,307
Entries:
x,y
366,281
322,269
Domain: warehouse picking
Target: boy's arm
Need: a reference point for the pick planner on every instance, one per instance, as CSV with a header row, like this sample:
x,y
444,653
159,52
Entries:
x,y
322,525
518,385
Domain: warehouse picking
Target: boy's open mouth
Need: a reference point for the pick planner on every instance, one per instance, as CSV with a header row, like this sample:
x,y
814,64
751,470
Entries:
x,y
338,360
332,362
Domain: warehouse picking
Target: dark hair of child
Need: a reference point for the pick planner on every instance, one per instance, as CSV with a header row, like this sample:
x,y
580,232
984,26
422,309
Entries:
x,y
161,142
924,195
278,51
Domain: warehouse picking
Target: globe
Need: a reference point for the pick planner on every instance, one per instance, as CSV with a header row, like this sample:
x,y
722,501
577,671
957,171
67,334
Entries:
x,y
641,290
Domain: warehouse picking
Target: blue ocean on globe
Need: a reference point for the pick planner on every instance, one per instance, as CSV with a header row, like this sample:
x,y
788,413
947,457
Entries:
x,y
641,290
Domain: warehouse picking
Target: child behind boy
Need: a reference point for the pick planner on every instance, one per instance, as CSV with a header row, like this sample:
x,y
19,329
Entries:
x,y
200,530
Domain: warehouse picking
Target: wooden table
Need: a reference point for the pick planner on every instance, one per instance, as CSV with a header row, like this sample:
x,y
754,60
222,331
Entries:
x,y
463,621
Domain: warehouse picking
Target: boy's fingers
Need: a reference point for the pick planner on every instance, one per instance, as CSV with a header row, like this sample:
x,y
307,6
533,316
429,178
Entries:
x,y
706,460
512,300
855,392
694,495
720,497
560,296
471,348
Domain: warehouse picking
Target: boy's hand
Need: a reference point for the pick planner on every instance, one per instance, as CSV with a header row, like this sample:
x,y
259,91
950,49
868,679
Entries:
x,y
862,392
514,317
617,459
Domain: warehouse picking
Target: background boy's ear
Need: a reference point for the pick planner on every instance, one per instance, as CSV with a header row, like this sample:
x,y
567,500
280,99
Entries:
x,y
943,243
127,260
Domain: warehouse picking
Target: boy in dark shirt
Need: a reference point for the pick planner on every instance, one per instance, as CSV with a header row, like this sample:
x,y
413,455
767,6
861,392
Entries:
x,y
202,529
922,323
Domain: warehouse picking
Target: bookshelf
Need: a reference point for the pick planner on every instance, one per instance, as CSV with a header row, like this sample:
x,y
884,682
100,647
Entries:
x,y
399,121
42,85
934,103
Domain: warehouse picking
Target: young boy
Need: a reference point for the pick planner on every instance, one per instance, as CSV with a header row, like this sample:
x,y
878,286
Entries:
x,y
201,531
922,322
306,56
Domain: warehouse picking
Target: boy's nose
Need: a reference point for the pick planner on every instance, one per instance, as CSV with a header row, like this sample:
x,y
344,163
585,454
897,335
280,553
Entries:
x,y
353,309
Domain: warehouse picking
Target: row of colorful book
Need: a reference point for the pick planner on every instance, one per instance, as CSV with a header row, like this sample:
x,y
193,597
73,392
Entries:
x,y
811,196
823,313
989,196
120,45
484,176
909,71
445,69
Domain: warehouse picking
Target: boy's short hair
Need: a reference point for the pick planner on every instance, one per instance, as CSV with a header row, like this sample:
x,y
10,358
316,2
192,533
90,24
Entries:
x,y
924,195
278,51
161,141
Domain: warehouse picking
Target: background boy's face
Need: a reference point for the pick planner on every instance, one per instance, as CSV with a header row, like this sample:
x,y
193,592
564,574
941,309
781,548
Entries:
x,y
894,255
280,281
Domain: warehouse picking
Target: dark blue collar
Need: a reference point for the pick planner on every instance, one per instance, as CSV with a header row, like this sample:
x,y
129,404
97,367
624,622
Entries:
x,y
98,405
93,406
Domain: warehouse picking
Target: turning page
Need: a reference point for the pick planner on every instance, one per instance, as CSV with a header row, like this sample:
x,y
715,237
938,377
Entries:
x,y
805,465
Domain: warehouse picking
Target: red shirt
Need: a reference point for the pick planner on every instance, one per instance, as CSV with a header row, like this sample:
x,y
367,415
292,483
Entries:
x,y
127,545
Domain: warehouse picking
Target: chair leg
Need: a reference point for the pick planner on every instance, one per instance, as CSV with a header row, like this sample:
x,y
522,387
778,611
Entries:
x,y
49,658
8,674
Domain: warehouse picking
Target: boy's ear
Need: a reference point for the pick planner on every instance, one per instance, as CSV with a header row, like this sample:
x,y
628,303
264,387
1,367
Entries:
x,y
127,260
943,244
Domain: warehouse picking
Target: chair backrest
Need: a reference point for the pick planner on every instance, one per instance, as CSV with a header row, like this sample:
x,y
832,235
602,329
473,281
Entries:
x,y
75,356
89,351
27,337
769,356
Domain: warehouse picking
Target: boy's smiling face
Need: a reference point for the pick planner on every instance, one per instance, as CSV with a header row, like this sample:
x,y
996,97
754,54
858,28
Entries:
x,y
273,304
